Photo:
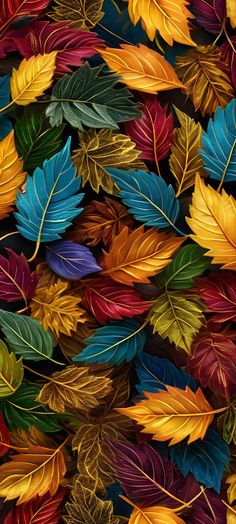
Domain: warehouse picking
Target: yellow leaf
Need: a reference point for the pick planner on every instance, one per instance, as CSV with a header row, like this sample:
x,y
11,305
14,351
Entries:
x,y
213,219
141,68
207,86
185,160
135,256
11,174
154,515
173,414
100,150
32,78
231,515
56,308
81,14
231,12
32,472
231,491
169,17
177,318
74,387
11,372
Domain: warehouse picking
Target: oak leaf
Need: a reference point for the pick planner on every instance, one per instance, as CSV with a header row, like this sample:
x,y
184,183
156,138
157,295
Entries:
x,y
213,219
100,150
11,174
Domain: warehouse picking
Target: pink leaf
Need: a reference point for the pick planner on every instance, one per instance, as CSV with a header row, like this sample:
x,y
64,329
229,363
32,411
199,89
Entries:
x,y
16,280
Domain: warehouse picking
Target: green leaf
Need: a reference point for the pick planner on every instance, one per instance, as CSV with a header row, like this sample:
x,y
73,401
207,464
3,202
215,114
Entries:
x,y
227,424
88,98
22,410
188,263
35,139
26,337
176,318
11,372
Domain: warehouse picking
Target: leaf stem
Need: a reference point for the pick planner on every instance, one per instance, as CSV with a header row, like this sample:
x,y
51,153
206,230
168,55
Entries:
x,y
189,503
229,507
7,106
219,35
9,235
20,311
36,373
228,37
35,251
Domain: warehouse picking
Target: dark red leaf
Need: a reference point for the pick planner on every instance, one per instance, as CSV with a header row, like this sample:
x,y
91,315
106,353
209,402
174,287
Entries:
x,y
16,280
4,436
218,291
152,133
109,300
13,10
41,510
213,362
208,509
210,14
229,58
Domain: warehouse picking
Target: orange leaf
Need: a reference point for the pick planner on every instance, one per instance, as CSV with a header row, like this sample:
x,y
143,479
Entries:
x,y
173,414
154,515
141,68
135,256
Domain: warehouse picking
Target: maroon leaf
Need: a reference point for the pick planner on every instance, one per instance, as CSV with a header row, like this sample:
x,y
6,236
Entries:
x,y
213,362
152,133
208,509
218,291
72,46
229,57
13,10
4,436
16,280
210,14
41,510
109,300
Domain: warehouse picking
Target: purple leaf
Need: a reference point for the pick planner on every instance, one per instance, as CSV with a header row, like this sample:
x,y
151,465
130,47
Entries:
x,y
16,280
210,14
70,260
208,509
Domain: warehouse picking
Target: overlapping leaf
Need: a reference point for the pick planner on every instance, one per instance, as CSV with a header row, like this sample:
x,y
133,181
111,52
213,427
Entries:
x,y
32,78
84,14
16,280
11,372
12,175
40,510
154,515
210,14
5,123
4,436
227,424
70,260
187,264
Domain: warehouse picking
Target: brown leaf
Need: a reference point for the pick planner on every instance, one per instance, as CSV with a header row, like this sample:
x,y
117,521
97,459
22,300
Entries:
x,y
81,14
73,344
208,86
103,149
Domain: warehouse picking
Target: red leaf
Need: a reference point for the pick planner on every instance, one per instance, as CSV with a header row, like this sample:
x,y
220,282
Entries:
x,y
42,510
16,280
152,133
213,362
73,46
218,291
12,10
4,436
109,300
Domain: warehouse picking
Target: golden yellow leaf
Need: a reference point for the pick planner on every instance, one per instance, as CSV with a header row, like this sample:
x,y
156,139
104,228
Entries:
x,y
100,150
32,78
141,68
231,491
57,308
11,372
173,414
154,515
231,12
231,515
11,174
74,387
169,17
213,219
100,222
33,471
135,256
177,317
81,14
185,160
207,86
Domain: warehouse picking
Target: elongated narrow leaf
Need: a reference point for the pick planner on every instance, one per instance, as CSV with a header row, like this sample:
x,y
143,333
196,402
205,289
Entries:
x,y
147,197
177,318
117,342
206,459
32,78
70,260
106,105
155,373
219,144
45,211
11,372
25,336
188,263
16,280
12,175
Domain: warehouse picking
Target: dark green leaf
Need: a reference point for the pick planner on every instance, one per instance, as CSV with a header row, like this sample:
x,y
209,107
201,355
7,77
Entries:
x,y
189,262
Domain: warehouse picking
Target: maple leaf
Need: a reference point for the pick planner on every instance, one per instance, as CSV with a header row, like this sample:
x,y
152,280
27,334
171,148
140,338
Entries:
x,y
100,150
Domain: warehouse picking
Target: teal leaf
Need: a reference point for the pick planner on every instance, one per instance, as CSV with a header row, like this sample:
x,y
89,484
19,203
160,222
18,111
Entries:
x,y
188,263
50,201
88,98
26,337
147,197
219,144
5,123
117,342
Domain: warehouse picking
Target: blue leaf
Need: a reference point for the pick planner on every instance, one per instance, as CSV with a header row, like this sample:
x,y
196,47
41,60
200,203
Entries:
x,y
116,27
70,260
117,342
50,201
219,144
155,373
5,123
147,196
205,459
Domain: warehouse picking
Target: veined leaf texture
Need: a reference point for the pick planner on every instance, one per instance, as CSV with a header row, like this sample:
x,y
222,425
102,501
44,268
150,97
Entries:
x,y
117,261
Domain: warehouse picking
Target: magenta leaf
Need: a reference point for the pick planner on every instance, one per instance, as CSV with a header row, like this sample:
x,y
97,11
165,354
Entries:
x,y
70,260
16,280
210,14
